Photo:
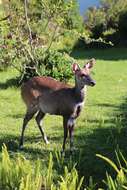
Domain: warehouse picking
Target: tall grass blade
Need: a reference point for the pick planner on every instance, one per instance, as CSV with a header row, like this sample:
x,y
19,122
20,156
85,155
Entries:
x,y
109,161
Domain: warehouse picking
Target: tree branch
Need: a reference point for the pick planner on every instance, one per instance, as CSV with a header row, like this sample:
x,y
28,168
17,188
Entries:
x,y
27,22
5,18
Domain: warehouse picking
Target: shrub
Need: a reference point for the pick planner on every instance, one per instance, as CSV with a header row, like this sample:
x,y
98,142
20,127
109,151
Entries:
x,y
42,23
47,63
57,65
5,54
110,14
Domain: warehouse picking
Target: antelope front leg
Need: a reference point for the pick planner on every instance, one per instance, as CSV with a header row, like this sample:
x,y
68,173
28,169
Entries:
x,y
71,123
65,121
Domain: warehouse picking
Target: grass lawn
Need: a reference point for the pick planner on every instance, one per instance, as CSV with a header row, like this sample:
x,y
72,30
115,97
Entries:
x,y
101,128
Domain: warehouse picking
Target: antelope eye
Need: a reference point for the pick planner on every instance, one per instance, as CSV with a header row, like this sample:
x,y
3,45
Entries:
x,y
83,75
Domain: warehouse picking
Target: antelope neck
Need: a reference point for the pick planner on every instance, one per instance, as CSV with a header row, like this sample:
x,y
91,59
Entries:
x,y
79,93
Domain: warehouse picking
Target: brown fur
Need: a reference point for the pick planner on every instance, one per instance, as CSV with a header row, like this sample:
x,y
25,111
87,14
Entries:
x,y
47,95
37,85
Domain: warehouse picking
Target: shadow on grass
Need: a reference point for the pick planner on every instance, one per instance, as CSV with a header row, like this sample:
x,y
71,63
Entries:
x,y
107,105
103,54
102,140
16,116
13,82
33,151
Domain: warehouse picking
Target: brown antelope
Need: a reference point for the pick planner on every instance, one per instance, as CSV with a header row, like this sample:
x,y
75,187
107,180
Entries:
x,y
44,95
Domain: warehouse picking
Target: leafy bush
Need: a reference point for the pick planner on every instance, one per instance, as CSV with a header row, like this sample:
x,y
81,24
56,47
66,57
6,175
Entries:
x,y
49,63
5,54
36,24
57,65
67,44
111,15
95,21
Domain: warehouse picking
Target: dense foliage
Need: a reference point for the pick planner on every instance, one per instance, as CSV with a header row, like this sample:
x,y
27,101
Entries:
x,y
57,65
51,63
108,21
29,27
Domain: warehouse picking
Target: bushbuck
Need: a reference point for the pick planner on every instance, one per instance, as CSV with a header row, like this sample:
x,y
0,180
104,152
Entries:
x,y
44,95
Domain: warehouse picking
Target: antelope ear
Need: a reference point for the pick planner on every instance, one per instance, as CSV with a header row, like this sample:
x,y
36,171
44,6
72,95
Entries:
x,y
75,67
90,63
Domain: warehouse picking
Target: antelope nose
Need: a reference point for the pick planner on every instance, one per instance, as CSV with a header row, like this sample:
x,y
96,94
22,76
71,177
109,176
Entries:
x,y
93,83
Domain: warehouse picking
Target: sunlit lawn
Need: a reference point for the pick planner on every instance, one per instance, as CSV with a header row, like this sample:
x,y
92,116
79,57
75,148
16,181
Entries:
x,y
101,128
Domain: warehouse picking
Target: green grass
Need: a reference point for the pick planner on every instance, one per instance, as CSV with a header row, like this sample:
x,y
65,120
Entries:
x,y
101,128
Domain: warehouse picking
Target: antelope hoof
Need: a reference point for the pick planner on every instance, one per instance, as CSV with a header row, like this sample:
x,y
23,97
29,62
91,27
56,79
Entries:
x,y
46,141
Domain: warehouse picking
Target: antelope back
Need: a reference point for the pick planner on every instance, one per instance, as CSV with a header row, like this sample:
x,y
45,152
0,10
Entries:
x,y
37,86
